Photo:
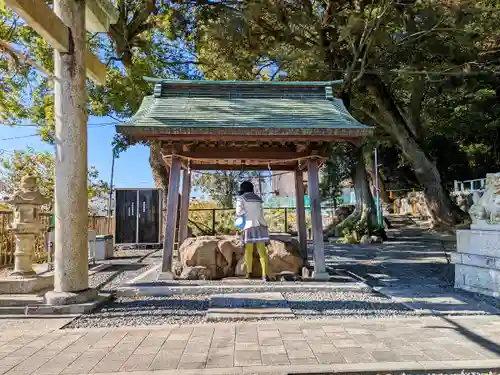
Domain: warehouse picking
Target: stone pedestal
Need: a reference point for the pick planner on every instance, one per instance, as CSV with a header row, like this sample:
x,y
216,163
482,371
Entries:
x,y
477,260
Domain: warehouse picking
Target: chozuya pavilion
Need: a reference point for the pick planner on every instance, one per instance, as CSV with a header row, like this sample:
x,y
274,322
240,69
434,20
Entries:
x,y
235,125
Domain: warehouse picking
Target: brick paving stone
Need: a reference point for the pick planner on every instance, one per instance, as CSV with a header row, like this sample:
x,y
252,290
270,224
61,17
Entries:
x,y
194,358
191,365
247,358
181,334
275,359
244,346
278,349
138,362
43,355
346,344
342,335
323,348
166,360
56,364
438,354
384,356
330,358
270,341
220,360
120,353
303,361
369,346
356,355
296,345
85,362
294,354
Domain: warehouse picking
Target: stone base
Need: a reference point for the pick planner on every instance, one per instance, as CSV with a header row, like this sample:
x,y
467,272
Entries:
x,y
320,276
162,276
25,285
70,298
477,261
485,226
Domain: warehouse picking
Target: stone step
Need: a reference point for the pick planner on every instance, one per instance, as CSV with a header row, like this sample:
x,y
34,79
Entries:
x,y
165,289
248,306
13,300
36,306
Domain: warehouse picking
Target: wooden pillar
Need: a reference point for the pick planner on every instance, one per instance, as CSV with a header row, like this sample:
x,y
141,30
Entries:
x,y
316,220
301,214
186,190
171,218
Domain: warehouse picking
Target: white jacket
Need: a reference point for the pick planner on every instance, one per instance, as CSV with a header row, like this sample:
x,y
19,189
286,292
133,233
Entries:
x,y
250,206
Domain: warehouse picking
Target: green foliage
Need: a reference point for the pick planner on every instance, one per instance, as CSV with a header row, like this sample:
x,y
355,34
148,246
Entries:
x,y
41,165
222,186
336,169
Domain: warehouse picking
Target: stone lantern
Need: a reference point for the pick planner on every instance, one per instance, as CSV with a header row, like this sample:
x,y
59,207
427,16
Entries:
x,y
26,225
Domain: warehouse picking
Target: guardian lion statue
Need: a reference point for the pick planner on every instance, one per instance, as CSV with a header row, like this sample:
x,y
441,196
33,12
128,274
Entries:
x,y
486,209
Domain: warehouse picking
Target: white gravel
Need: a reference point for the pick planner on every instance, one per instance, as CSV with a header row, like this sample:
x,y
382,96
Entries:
x,y
186,309
128,312
125,265
344,305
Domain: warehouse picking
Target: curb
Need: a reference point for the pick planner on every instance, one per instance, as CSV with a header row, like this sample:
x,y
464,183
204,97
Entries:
x,y
422,367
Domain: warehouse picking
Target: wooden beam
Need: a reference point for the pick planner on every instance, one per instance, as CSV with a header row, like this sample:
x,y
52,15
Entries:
x,y
183,221
251,138
301,214
316,221
170,225
243,154
239,167
45,22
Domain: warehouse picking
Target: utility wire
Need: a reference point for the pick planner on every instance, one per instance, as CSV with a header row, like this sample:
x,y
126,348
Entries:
x,y
95,124
23,136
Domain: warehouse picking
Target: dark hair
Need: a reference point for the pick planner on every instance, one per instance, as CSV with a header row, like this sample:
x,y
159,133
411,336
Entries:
x,y
245,187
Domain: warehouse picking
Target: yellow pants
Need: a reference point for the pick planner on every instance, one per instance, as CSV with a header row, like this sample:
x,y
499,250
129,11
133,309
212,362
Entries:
x,y
261,249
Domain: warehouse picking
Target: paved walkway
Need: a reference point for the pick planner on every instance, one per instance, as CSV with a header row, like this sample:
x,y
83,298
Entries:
x,y
272,347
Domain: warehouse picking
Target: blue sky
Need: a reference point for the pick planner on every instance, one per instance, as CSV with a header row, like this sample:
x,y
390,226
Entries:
x,y
132,168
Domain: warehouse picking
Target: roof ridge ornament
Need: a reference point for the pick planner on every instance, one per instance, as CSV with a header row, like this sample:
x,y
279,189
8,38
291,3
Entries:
x,y
161,81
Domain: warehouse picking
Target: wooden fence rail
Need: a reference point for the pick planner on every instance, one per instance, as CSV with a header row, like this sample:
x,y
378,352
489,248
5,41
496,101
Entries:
x,y
101,224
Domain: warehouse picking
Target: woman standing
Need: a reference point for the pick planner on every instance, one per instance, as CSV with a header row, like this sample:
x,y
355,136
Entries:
x,y
249,205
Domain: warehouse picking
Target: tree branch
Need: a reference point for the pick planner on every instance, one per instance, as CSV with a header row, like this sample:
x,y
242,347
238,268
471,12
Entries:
x,y
19,57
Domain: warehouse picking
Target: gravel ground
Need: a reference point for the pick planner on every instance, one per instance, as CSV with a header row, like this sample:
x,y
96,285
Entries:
x,y
132,312
125,265
343,305
187,309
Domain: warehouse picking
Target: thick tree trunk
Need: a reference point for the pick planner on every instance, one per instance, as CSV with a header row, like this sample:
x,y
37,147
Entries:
x,y
441,208
370,169
160,174
364,214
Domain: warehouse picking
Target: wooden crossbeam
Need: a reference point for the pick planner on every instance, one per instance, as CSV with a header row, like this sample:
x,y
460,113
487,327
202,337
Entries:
x,y
238,167
45,22
236,154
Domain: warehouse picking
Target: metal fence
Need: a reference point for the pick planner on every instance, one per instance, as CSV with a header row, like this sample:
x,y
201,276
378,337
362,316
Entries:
x,y
212,221
101,224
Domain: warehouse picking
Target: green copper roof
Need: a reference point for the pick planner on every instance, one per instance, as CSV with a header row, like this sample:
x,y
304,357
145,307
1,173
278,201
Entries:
x,y
188,107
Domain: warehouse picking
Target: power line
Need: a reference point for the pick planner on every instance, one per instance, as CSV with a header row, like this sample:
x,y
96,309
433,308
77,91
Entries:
x,y
96,125
20,137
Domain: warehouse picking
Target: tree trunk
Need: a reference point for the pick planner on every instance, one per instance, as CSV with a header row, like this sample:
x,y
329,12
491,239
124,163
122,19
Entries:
x,y
441,207
160,175
364,215
370,169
